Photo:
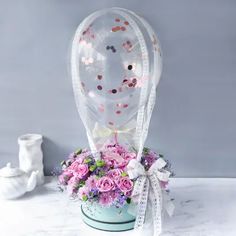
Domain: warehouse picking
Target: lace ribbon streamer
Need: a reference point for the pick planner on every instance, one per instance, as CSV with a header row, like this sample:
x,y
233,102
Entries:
x,y
148,193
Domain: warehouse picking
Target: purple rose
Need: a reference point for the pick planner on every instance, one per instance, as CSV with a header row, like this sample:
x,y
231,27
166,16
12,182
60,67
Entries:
x,y
113,159
105,184
74,181
81,170
114,174
125,184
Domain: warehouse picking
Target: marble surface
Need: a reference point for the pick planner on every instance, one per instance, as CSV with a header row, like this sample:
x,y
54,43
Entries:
x,y
204,207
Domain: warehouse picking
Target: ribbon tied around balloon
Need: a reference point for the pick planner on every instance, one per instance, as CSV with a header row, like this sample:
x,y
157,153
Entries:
x,y
125,132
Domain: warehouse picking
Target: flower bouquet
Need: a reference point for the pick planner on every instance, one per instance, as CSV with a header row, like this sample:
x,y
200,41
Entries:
x,y
106,182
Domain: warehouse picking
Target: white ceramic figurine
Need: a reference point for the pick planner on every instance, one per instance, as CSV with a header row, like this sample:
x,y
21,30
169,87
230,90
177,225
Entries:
x,y
31,155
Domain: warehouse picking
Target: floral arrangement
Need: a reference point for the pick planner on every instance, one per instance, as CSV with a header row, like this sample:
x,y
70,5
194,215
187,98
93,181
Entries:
x,y
104,180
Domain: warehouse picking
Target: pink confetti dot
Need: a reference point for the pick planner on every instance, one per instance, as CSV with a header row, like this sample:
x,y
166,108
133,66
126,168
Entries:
x,y
101,109
99,77
116,28
99,87
118,112
125,105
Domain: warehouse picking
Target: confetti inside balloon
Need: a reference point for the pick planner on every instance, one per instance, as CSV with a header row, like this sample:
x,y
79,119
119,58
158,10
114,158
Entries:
x,y
116,66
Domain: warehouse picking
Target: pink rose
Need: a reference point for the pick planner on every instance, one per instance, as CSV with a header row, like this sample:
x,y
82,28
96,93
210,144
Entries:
x,y
74,166
81,170
114,174
113,159
125,184
105,184
74,181
114,147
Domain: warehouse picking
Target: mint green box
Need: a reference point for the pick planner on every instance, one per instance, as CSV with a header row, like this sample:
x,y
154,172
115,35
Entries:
x,y
107,218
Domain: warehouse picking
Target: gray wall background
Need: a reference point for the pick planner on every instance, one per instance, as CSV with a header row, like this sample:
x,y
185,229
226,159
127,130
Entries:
x,y
194,121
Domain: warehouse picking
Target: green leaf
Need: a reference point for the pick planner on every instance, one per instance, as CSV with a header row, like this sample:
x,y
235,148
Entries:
x,y
81,183
84,198
100,163
92,168
88,160
78,151
101,173
145,151
123,174
63,163
128,200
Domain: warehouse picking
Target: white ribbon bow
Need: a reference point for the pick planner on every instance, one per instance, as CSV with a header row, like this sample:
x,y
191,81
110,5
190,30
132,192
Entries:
x,y
104,132
149,193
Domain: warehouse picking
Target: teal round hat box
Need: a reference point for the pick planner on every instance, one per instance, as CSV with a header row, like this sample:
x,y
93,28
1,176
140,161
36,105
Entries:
x,y
107,218
116,66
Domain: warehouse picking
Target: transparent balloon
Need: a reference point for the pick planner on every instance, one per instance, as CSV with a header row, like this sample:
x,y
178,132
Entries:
x,y
116,66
